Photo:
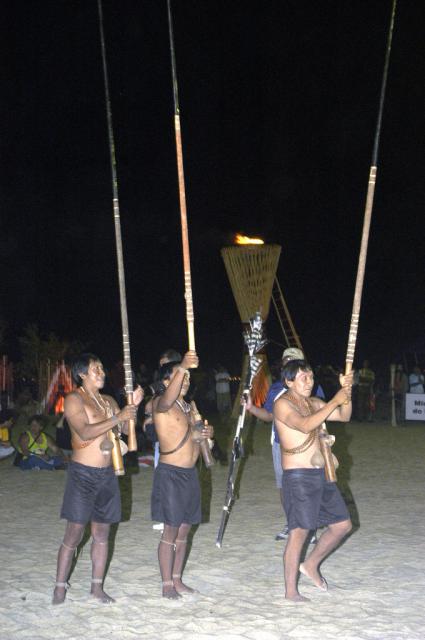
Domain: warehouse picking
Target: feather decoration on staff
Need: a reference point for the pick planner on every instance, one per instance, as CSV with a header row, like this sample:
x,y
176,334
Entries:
x,y
190,319
355,315
254,341
132,443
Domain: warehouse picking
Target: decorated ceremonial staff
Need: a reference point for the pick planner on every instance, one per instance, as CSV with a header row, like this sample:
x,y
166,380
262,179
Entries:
x,y
190,318
355,315
132,443
254,341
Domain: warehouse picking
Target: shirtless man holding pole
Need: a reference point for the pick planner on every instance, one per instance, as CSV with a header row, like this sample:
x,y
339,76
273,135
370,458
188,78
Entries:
x,y
92,492
176,497
309,500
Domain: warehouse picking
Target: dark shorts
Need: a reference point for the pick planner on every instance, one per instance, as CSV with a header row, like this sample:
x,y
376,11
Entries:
x,y
311,502
91,495
176,495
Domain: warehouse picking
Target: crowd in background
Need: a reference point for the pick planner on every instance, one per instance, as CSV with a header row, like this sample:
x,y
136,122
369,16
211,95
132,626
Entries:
x,y
214,391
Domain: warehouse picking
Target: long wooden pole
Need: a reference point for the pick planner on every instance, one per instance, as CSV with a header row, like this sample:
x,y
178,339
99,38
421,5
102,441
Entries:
x,y
132,443
355,315
325,443
190,319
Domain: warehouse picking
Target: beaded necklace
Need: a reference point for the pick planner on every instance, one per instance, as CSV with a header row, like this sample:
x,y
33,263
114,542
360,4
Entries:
x,y
102,404
312,435
105,407
302,407
184,406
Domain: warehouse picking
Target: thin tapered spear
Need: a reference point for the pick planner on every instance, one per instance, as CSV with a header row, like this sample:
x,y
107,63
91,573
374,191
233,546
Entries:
x,y
190,320
354,324
132,444
325,444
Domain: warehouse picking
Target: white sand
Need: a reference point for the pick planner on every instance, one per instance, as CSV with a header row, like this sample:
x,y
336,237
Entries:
x,y
376,580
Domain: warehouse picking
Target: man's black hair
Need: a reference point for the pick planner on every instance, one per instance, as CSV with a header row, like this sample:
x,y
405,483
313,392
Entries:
x,y
172,355
81,364
165,370
291,368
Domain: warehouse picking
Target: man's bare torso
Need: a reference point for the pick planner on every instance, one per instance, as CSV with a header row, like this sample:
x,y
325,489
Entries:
x,y
291,438
88,452
171,427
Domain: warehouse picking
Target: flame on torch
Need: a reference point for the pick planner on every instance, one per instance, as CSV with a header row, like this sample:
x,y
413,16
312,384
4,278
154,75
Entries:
x,y
240,239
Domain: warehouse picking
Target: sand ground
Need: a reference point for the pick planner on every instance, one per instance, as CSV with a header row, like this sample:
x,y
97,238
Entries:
x,y
376,579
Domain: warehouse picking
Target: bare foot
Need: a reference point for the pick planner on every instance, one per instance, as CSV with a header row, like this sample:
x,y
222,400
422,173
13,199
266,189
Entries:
x,y
297,597
315,577
169,592
59,595
182,588
98,593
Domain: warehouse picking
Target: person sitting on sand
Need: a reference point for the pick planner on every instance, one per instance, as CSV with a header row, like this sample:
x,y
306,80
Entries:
x,y
6,448
176,496
36,448
309,500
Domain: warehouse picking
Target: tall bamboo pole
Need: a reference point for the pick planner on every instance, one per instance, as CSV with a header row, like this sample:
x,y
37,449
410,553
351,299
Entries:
x,y
190,319
325,442
355,315
132,443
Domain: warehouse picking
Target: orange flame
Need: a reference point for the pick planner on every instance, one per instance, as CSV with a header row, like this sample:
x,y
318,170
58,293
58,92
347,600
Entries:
x,y
240,239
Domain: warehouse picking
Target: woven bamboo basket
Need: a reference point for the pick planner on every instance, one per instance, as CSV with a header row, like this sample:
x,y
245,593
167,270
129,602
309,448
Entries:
x,y
251,270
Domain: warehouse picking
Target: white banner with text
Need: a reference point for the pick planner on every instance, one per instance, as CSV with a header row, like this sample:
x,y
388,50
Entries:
x,y
415,406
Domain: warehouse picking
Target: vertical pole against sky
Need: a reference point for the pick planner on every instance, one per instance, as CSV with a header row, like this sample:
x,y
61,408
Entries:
x,y
190,319
132,444
354,324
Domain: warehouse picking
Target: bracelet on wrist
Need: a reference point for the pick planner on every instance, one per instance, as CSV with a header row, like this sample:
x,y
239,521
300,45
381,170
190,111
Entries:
x,y
182,369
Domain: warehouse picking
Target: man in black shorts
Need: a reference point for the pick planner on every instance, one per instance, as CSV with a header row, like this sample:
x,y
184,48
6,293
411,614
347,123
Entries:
x,y
176,496
309,500
91,492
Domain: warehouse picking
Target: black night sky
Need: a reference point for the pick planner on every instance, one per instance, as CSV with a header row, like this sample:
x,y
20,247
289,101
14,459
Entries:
x,y
279,101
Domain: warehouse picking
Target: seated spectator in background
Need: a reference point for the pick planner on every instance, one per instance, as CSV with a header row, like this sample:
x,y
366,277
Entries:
x,y
416,381
34,445
6,448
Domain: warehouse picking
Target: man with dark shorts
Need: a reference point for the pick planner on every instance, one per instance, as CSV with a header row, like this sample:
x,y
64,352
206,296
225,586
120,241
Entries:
x,y
176,496
91,492
309,500
265,413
